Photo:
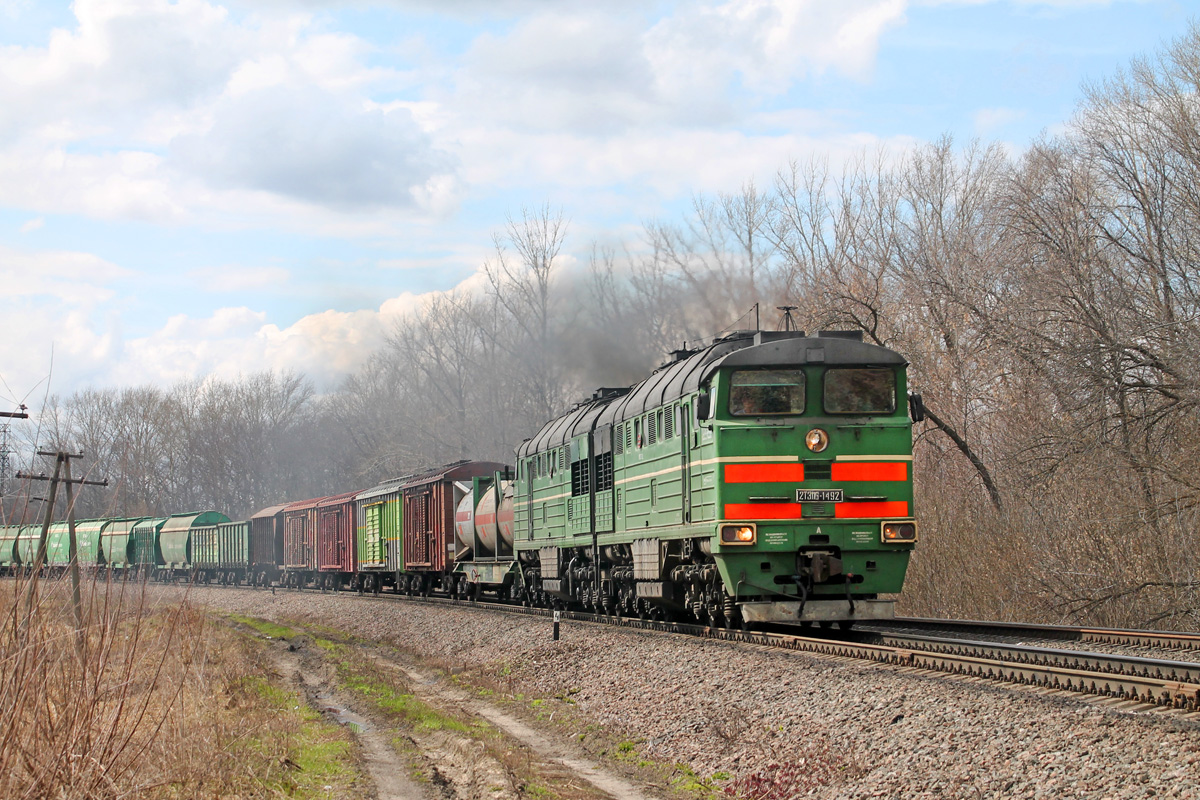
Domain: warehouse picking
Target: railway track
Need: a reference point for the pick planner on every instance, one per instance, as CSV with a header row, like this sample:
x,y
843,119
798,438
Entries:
x,y
1187,644
1127,681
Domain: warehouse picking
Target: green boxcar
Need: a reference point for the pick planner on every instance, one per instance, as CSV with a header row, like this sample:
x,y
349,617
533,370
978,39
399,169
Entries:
x,y
204,548
175,537
116,543
766,477
221,551
234,548
143,544
378,513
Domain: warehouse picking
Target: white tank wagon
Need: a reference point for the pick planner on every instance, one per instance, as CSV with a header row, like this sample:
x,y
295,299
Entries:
x,y
484,532
480,523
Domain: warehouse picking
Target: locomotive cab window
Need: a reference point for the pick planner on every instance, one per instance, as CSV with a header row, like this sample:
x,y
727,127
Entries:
x,y
762,392
860,391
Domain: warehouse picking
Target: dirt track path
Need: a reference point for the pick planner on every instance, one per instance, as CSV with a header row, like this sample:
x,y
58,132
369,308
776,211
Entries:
x,y
438,691
388,770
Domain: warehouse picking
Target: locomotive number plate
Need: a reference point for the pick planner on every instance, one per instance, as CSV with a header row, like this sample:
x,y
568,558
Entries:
x,y
819,496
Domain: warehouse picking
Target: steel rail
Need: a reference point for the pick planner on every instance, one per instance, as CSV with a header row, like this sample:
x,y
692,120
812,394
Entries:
x,y
1166,640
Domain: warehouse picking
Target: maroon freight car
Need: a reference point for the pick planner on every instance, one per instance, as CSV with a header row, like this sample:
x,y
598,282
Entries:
x,y
300,542
266,545
429,504
337,559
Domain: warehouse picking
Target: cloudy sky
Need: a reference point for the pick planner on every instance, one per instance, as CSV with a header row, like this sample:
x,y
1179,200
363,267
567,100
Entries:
x,y
204,187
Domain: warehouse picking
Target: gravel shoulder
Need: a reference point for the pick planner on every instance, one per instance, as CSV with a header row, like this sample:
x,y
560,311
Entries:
x,y
750,719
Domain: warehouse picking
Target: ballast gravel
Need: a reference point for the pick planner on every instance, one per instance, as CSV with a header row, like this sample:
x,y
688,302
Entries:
x,y
779,724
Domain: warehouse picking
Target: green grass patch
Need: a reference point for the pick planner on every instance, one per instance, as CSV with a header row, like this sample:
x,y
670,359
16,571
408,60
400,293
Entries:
x,y
364,680
265,628
310,757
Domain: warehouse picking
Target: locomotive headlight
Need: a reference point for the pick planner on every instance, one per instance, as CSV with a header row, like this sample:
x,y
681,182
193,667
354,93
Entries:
x,y
817,440
738,534
899,532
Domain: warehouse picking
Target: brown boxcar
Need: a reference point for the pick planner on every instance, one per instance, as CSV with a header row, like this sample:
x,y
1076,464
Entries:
x,y
300,542
336,553
429,504
266,545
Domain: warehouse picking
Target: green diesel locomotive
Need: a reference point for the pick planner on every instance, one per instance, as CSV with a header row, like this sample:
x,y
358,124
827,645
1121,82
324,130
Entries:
x,y
765,478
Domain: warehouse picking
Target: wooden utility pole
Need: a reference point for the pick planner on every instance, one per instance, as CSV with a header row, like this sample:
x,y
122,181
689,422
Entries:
x,y
40,558
62,466
73,559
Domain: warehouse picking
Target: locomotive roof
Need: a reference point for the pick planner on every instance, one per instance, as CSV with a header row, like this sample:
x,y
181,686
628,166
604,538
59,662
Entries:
x,y
747,349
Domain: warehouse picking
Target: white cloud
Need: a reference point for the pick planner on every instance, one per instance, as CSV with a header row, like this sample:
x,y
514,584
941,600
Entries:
x,y
671,163
989,121
238,278
316,147
125,61
119,185
232,341
70,277
173,111
602,72
33,225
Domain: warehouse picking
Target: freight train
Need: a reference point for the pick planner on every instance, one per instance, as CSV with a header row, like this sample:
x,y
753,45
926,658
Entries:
x,y
766,477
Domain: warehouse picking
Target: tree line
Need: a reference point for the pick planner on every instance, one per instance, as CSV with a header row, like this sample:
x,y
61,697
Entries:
x,y
1047,301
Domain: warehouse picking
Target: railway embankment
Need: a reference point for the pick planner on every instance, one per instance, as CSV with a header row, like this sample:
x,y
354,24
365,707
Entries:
x,y
742,718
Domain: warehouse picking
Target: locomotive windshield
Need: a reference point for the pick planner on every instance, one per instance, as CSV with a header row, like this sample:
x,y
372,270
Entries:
x,y
761,392
860,391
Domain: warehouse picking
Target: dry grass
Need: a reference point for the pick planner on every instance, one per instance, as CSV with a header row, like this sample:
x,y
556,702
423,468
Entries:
x,y
154,704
